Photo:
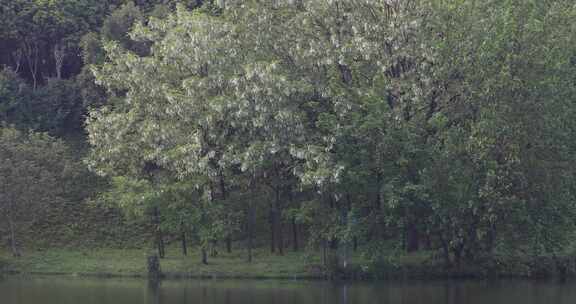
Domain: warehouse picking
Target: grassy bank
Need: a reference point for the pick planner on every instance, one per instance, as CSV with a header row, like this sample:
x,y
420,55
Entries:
x,y
132,263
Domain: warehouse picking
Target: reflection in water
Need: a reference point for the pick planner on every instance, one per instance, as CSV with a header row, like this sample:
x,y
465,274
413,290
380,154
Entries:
x,y
345,294
153,294
66,290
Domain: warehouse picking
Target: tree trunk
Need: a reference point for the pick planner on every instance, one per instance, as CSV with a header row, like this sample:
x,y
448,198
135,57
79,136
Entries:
x,y
280,236
229,244
59,54
345,74
491,238
324,253
154,271
13,242
445,251
278,220
250,231
349,209
183,239
376,209
272,219
251,218
214,248
204,256
294,235
161,247
17,58
458,257
31,52
412,238
228,239
343,250
158,232
427,241
378,198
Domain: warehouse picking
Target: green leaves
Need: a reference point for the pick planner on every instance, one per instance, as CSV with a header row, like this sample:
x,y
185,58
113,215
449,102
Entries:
x,y
34,175
449,117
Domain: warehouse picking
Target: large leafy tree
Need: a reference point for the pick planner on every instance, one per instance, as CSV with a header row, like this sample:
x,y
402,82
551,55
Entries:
x,y
408,116
500,176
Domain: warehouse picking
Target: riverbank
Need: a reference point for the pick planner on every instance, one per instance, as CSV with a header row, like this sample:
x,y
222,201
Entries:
x,y
292,265
132,263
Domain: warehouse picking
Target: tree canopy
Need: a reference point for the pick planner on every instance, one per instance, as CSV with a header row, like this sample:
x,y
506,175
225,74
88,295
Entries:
x,y
443,125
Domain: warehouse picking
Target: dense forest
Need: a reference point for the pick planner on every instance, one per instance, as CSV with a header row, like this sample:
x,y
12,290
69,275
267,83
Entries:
x,y
344,127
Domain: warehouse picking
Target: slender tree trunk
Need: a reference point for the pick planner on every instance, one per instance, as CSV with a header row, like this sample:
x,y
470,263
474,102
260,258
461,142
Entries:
x,y
324,253
214,248
183,239
280,235
349,209
377,208
250,230
295,246
404,235
278,221
445,251
378,198
251,217
161,247
229,244
59,54
491,238
204,256
17,56
427,241
272,220
158,232
13,241
458,256
344,250
31,52
224,198
412,237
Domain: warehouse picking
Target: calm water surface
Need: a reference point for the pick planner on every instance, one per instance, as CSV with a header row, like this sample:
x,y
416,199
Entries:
x,y
61,290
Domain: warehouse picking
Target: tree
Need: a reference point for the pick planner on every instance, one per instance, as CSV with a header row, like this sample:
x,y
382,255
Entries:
x,y
31,174
236,101
12,94
390,120
501,135
56,107
42,36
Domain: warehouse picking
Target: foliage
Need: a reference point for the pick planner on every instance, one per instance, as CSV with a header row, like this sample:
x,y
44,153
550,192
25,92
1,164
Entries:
x,y
33,166
439,124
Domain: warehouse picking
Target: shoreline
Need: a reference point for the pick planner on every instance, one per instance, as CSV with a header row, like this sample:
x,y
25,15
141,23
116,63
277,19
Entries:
x,y
130,263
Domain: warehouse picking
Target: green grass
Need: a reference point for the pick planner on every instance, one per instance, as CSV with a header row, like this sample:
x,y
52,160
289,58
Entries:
x,y
132,262
292,265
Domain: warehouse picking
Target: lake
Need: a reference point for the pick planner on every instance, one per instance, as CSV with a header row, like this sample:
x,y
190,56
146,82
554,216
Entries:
x,y
72,290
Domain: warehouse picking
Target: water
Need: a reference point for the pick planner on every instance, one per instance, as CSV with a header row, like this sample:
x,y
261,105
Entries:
x,y
67,290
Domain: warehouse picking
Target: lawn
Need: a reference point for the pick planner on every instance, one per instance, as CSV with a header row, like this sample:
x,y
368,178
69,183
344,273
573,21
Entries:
x,y
132,262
